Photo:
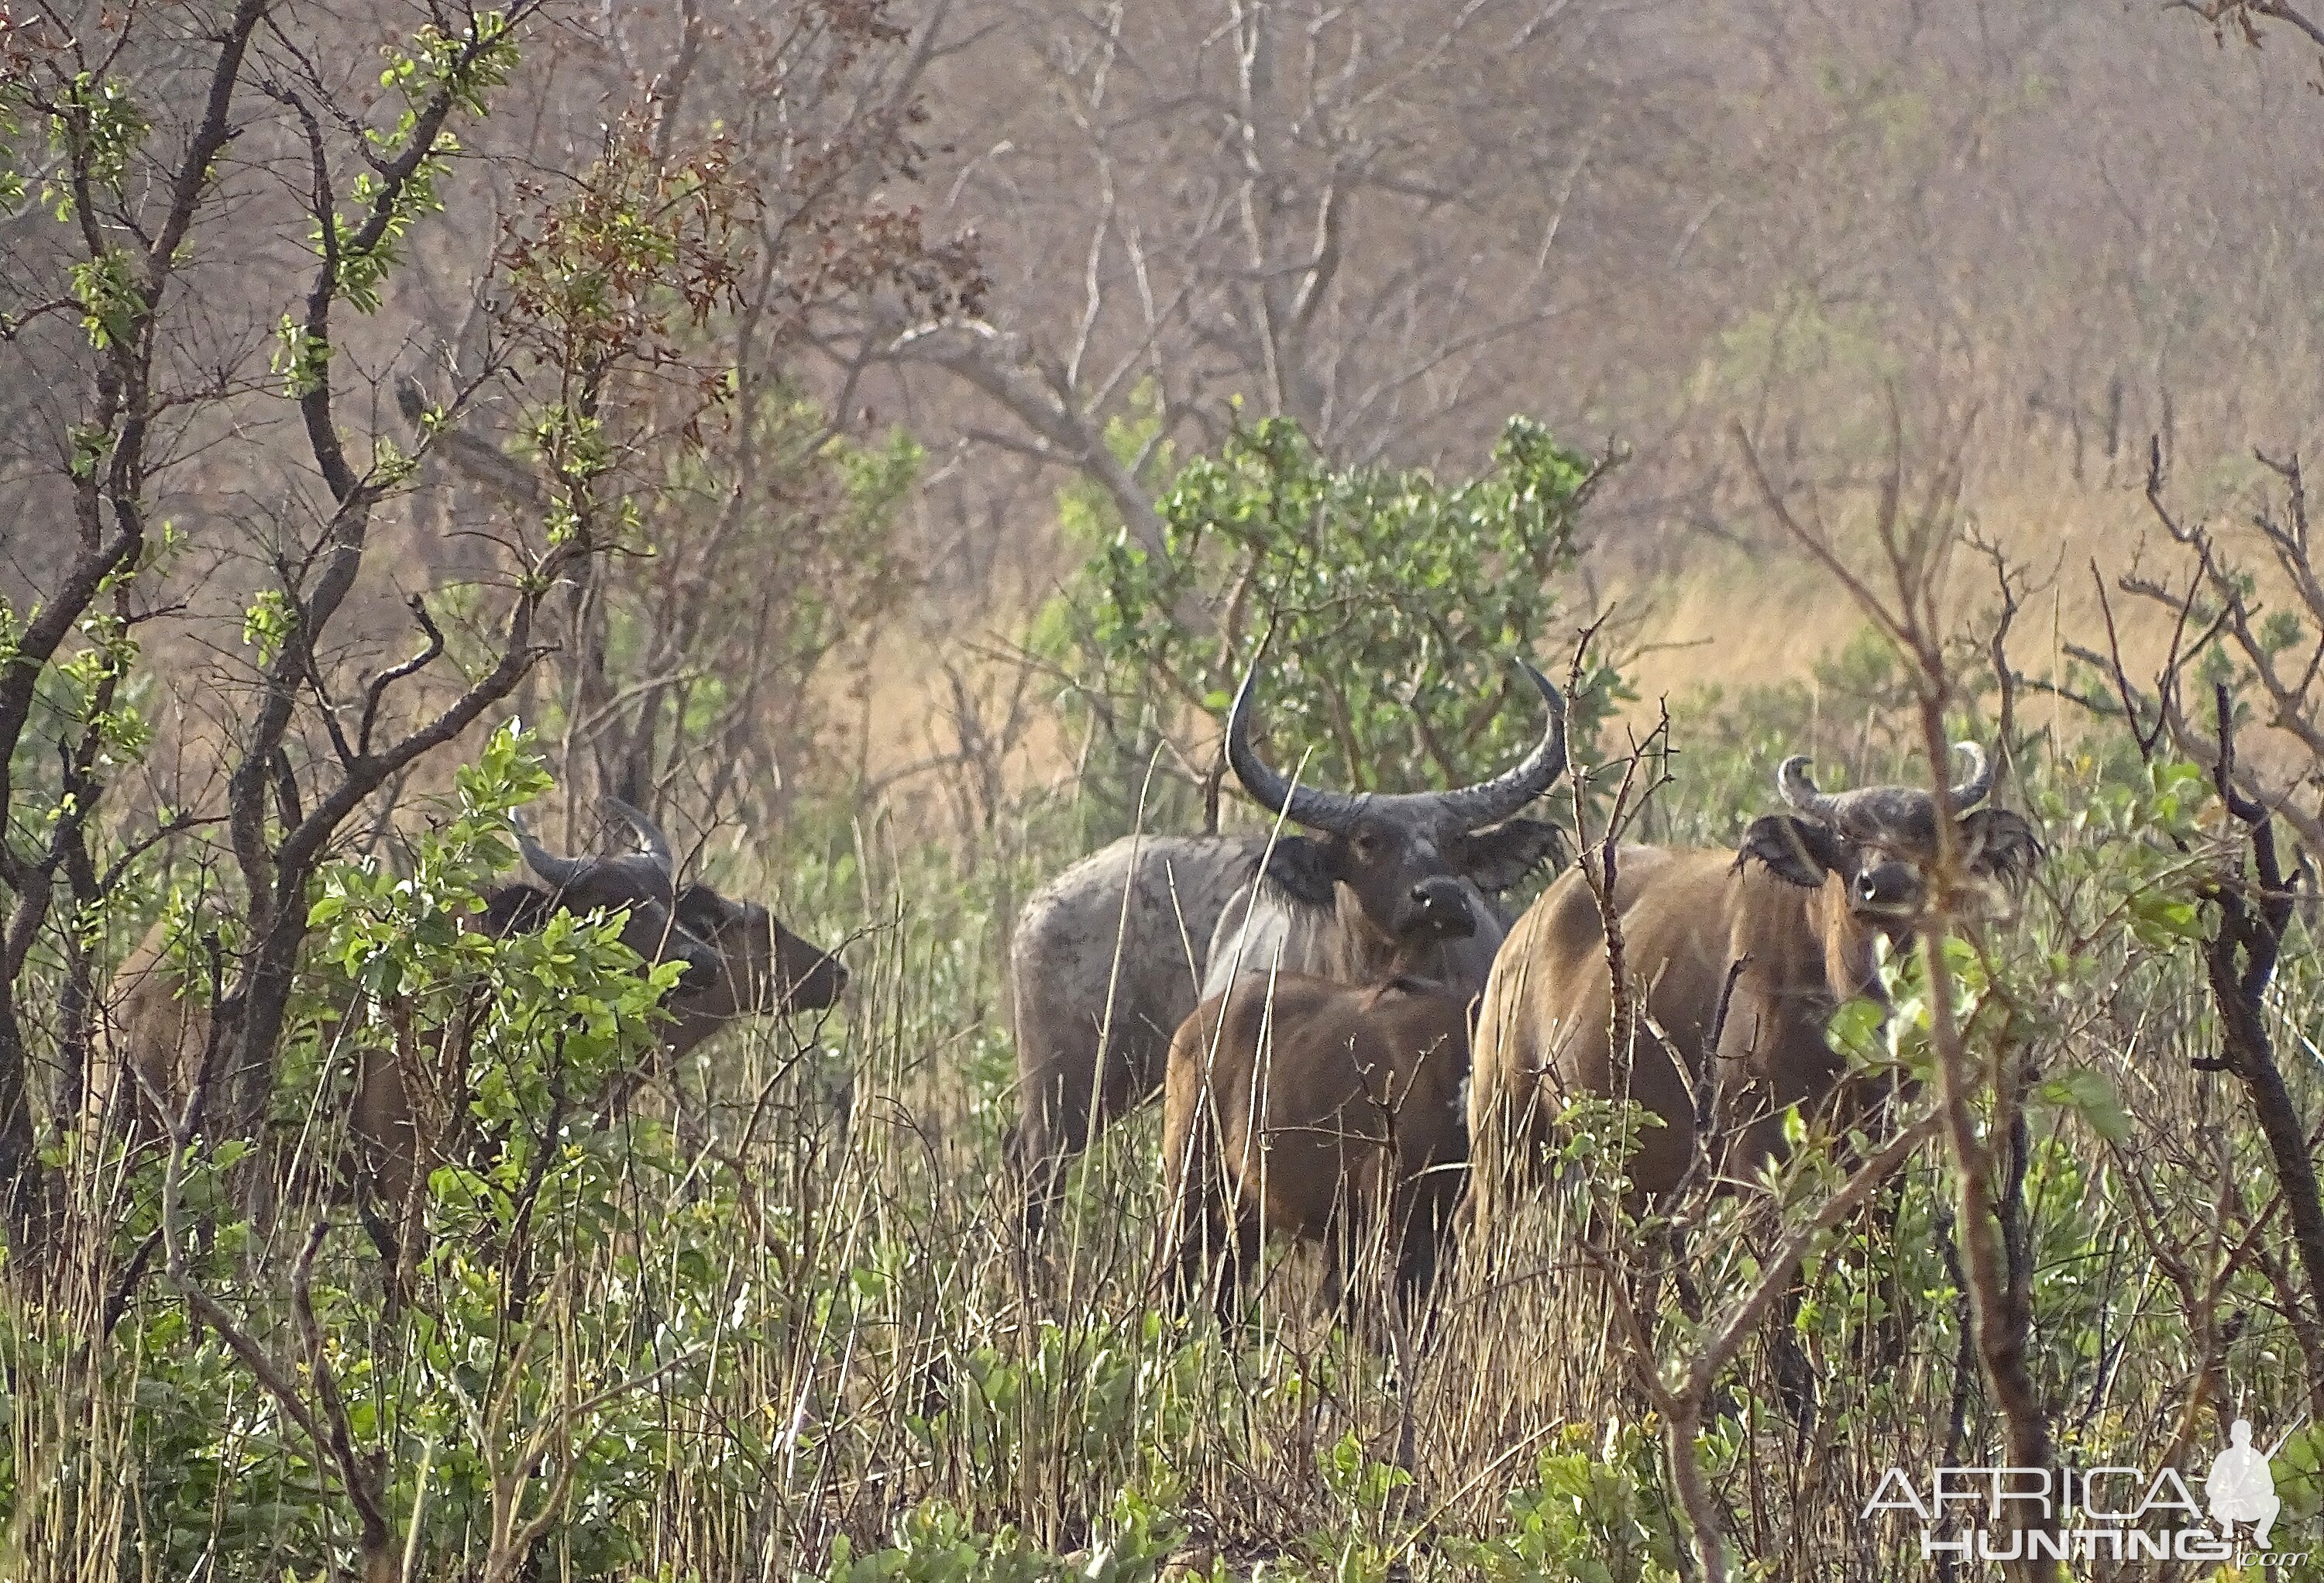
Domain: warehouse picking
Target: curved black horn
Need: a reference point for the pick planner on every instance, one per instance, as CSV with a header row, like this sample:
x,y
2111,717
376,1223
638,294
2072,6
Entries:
x,y
553,870
1969,793
650,840
1491,801
1331,811
1799,788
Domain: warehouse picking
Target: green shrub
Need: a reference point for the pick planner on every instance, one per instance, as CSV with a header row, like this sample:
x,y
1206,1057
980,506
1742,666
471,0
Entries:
x,y
1392,603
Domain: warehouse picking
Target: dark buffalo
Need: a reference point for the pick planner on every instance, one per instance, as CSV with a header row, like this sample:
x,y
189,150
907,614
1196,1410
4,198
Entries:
x,y
763,967
161,1029
739,960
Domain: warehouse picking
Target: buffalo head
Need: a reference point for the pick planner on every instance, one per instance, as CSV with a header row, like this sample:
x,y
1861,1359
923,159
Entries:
x,y
1411,860
762,967
1881,841
617,882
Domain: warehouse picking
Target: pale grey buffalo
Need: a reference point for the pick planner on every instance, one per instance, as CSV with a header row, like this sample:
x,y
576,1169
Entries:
x,y
1113,955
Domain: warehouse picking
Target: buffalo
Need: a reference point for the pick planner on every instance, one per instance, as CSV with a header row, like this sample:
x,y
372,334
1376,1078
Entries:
x,y
1330,1112
761,966
738,960
1783,930
158,1028
1111,956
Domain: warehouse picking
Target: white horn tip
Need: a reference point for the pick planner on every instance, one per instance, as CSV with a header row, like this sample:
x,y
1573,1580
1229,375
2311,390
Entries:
x,y
1798,787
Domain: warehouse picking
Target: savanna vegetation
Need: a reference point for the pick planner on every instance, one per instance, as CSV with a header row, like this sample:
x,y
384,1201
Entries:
x,y
874,440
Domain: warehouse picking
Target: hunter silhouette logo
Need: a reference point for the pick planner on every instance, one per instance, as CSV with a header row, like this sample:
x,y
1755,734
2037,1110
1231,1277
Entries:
x,y
2242,1486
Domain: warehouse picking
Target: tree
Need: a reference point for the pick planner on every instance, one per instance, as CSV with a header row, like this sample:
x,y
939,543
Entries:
x,y
1300,208
109,303
232,290
760,525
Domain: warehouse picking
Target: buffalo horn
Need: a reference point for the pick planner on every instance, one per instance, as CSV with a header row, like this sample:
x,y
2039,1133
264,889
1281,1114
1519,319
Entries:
x,y
1969,793
1331,811
560,873
650,840
1799,788
1493,800
1334,812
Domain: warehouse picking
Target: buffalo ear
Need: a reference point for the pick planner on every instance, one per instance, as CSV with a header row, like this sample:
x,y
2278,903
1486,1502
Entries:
x,y
514,909
704,911
1500,858
1302,869
1796,851
1999,845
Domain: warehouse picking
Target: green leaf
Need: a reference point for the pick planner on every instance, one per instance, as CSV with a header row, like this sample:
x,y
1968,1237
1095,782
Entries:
x,y
2092,1097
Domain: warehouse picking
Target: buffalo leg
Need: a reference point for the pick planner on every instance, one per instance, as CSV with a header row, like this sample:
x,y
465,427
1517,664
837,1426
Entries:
x,y
1038,1166
1068,1106
1894,1337
1507,1136
1208,1255
1427,1247
1238,1261
1796,1378
1205,1253
1380,1288
1343,1281
1489,1147
1061,1105
390,1176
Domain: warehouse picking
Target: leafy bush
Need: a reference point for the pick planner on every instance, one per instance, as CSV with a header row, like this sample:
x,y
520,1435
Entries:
x,y
1595,1513
1391,602
935,1544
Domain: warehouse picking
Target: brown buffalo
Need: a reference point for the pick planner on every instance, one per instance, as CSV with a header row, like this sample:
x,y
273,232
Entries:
x,y
738,960
1110,958
151,1026
160,1026
1330,1112
1801,905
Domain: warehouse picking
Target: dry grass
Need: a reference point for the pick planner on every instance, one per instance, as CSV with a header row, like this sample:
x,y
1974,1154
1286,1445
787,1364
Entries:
x,y
875,1348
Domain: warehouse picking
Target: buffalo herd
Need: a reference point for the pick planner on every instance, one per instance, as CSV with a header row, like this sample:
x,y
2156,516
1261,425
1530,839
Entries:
x,y
1357,1048
1354,1044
